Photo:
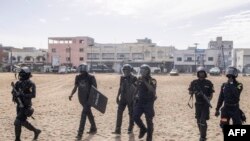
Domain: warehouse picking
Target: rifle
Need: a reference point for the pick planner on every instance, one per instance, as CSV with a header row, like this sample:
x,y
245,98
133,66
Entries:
x,y
204,97
16,93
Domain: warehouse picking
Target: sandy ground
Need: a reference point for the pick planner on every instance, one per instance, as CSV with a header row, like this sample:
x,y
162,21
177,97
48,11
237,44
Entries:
x,y
58,118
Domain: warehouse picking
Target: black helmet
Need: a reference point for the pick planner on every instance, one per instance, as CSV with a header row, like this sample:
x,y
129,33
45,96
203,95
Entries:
x,y
232,71
24,73
127,69
145,70
201,69
83,68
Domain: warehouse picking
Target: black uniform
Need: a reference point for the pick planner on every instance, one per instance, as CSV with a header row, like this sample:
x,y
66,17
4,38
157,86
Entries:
x,y
201,107
84,84
126,92
28,89
145,104
230,95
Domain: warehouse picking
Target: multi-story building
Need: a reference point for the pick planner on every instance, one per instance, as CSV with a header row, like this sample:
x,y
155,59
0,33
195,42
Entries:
x,y
76,50
188,60
225,48
68,50
27,55
1,54
136,54
241,59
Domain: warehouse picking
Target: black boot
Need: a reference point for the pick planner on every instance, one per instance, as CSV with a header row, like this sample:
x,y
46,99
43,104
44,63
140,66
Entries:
x,y
130,129
143,131
18,133
79,136
117,131
36,134
92,130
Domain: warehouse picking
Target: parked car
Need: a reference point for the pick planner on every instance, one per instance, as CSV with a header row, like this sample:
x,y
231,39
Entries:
x,y
63,69
215,71
174,72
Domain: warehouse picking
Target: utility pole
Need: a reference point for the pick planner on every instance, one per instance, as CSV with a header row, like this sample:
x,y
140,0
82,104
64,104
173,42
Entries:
x,y
10,59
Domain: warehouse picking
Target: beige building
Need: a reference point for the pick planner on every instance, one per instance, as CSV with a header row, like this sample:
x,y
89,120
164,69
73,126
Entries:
x,y
136,54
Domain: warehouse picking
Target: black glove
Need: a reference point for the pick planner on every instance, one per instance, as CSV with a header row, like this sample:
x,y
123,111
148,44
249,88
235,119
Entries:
x,y
217,113
19,94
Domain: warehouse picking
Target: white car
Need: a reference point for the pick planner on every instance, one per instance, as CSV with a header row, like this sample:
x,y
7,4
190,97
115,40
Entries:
x,y
174,72
215,71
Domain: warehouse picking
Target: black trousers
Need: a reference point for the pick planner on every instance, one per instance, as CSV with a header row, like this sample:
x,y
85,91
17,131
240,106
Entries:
x,y
21,120
121,107
202,115
86,112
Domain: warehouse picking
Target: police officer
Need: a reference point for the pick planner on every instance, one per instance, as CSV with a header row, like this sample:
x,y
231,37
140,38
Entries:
x,y
144,102
125,97
24,91
198,87
230,96
83,83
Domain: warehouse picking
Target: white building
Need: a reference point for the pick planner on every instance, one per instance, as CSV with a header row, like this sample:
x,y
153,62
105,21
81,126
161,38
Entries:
x,y
143,51
225,48
188,60
27,55
241,59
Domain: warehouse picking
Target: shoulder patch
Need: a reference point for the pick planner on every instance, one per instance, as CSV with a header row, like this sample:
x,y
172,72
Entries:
x,y
239,86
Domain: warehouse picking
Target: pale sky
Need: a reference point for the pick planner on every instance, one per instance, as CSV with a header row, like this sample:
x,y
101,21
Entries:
x,y
29,23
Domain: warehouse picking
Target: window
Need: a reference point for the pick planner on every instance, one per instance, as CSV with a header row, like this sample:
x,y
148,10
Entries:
x,y
137,56
67,49
81,58
179,59
93,56
108,56
122,56
67,58
210,58
189,59
53,50
81,50
81,41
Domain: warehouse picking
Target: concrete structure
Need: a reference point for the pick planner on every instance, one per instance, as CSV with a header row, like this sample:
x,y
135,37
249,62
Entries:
x,y
188,60
136,54
27,55
69,51
222,46
241,59
1,54
76,50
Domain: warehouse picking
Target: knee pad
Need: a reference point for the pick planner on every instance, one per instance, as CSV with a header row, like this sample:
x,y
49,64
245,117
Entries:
x,y
17,122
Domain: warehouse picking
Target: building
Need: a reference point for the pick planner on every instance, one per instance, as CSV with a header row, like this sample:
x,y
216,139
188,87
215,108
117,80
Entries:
x,y
76,50
241,59
184,60
141,52
69,51
225,48
1,55
27,56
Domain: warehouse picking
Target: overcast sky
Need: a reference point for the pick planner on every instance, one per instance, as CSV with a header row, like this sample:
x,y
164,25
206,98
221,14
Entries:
x,y
167,22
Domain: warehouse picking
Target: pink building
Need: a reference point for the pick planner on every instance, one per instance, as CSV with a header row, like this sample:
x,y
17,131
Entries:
x,y
68,50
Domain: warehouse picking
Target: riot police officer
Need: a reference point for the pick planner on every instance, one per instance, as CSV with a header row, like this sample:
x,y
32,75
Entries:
x,y
201,88
230,96
125,97
83,83
24,90
144,102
